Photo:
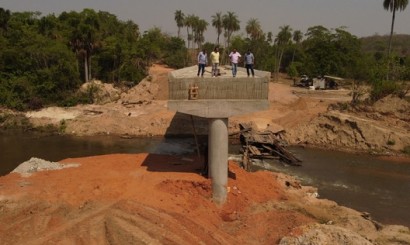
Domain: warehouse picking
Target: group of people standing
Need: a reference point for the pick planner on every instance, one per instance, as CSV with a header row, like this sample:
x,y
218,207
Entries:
x,y
235,58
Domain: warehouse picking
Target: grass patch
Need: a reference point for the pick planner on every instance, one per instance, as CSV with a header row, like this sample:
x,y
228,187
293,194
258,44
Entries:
x,y
406,150
62,127
14,121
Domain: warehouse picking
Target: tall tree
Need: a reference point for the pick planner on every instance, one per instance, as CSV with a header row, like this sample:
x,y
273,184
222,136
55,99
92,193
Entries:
x,y
199,27
393,6
189,22
217,23
282,41
85,37
230,23
332,52
179,18
194,29
297,38
269,38
254,29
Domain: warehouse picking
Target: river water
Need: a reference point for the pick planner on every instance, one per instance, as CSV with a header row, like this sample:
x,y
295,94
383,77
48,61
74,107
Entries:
x,y
361,182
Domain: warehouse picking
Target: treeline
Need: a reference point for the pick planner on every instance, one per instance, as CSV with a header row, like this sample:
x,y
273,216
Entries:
x,y
317,52
44,59
378,43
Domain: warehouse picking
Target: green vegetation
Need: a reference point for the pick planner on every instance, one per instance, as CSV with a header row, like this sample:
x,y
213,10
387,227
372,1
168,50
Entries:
x,y
14,121
44,59
383,88
406,150
62,127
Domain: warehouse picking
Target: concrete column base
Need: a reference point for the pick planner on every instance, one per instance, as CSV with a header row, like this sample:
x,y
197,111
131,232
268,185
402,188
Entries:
x,y
218,158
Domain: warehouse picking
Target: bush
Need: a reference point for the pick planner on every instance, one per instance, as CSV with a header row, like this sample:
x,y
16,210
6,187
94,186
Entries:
x,y
62,127
406,150
292,71
381,89
75,99
35,103
176,60
14,121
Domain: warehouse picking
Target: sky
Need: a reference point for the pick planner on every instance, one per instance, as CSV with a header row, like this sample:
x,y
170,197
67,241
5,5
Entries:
x,y
361,17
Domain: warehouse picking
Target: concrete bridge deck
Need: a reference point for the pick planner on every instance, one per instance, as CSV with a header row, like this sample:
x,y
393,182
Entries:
x,y
218,97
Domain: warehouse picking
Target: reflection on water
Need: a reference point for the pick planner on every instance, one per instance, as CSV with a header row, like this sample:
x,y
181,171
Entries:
x,y
362,182
18,147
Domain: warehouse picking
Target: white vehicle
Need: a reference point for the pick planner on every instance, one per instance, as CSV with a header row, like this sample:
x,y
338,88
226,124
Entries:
x,y
326,82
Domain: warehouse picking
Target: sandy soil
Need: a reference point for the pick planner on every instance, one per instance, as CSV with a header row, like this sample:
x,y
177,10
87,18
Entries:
x,y
156,199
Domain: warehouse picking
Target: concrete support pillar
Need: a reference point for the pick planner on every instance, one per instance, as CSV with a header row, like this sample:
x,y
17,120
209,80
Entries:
x,y
218,158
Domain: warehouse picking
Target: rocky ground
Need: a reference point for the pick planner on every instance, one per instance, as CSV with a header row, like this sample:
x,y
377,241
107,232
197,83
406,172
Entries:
x,y
155,199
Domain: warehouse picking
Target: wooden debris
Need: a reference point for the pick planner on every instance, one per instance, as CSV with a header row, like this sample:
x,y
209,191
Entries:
x,y
263,145
132,103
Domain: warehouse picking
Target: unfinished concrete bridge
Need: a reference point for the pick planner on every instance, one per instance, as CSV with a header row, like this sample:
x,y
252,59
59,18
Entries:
x,y
217,99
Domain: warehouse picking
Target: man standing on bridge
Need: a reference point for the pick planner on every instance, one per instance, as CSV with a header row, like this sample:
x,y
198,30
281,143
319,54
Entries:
x,y
234,55
249,60
202,61
215,61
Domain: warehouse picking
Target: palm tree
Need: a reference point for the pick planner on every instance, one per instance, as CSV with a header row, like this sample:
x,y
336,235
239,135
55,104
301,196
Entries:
x,y
84,38
189,22
282,41
230,23
253,29
179,18
199,28
269,37
393,6
194,28
297,37
217,23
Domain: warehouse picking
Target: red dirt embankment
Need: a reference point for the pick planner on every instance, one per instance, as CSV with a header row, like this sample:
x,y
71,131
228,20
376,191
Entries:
x,y
156,199
128,199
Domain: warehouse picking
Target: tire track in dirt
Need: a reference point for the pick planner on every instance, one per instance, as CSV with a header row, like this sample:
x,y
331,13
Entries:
x,y
122,222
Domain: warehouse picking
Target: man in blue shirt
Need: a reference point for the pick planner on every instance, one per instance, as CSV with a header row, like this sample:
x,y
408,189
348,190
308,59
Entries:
x,y
249,60
202,61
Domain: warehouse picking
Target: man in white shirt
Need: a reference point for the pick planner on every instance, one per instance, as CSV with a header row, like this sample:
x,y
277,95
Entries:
x,y
235,56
